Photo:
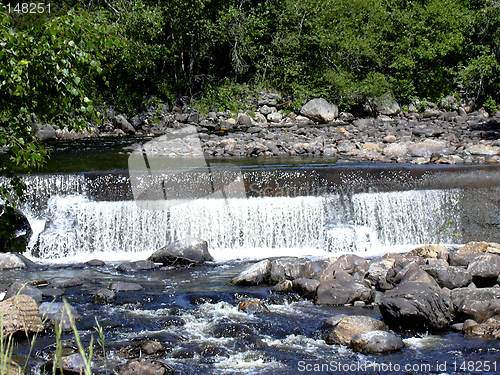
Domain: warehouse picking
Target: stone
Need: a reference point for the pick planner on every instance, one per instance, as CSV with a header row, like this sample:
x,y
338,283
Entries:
x,y
95,263
350,326
18,287
412,273
104,296
59,313
255,274
120,122
415,306
10,261
474,248
320,110
485,269
274,117
252,307
19,230
125,287
341,291
396,150
69,283
20,313
289,269
480,149
305,288
244,121
146,366
141,265
183,252
428,147
283,287
377,270
477,304
46,132
376,342
428,251
449,276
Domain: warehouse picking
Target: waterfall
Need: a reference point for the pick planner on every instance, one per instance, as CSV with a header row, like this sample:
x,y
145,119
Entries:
x,y
70,221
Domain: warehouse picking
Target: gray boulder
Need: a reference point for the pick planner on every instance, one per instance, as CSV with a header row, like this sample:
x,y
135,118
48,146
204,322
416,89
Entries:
x,y
290,269
183,252
448,276
375,342
19,230
485,269
104,296
10,261
306,288
120,122
255,274
18,287
476,303
342,290
416,306
320,110
140,265
348,327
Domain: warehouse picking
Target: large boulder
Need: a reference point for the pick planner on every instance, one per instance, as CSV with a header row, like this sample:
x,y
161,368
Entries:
x,y
18,287
344,289
320,110
290,269
375,342
10,261
255,274
347,327
416,306
183,252
485,269
18,228
475,303
449,276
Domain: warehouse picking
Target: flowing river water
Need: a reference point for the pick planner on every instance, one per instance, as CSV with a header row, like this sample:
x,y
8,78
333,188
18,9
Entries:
x,y
314,209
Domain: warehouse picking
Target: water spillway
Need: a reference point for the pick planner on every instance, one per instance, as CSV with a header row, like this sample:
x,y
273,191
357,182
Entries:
x,y
306,210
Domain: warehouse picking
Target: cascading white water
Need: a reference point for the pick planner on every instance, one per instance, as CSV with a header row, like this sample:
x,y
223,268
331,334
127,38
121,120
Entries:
x,y
75,224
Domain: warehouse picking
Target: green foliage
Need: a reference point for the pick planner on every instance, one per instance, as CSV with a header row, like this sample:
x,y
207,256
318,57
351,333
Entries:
x,y
229,96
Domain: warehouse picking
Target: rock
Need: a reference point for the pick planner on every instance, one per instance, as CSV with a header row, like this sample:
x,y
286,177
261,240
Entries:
x,y
449,276
386,105
477,304
183,252
18,228
341,292
474,248
17,288
104,296
377,270
46,132
352,264
231,330
125,287
289,269
69,283
320,110
121,123
141,265
274,117
350,326
488,329
412,273
250,342
428,147
462,260
485,269
153,348
10,261
450,102
375,342
416,306
481,149
95,263
59,313
145,366
429,251
305,288
253,275
20,313
283,287
244,121
265,110
396,150
252,307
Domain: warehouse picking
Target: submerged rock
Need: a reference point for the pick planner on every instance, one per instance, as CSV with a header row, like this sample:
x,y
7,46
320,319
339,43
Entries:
x,y
145,366
183,252
252,307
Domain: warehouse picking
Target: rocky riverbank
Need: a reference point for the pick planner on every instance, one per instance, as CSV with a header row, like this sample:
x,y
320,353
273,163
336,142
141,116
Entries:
x,y
420,133
431,289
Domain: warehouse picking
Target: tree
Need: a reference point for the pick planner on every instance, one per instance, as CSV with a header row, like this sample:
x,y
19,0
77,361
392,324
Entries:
x,y
48,70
